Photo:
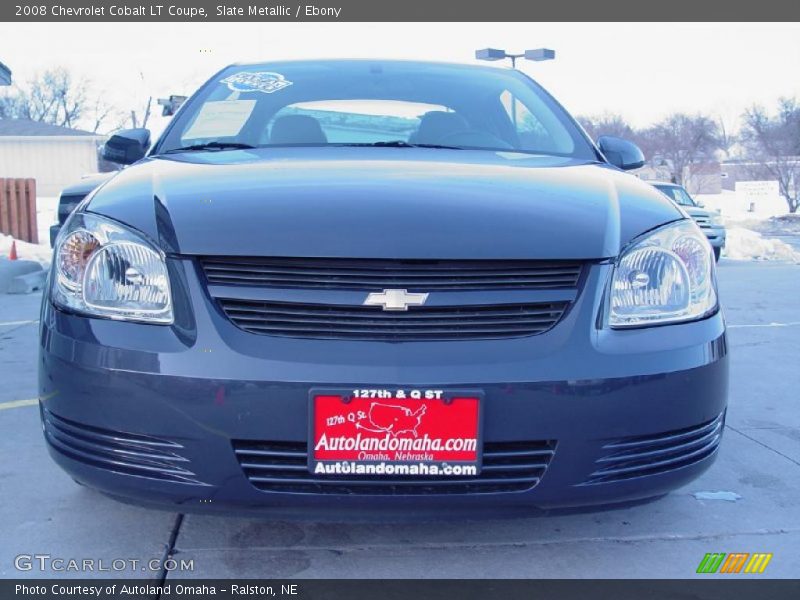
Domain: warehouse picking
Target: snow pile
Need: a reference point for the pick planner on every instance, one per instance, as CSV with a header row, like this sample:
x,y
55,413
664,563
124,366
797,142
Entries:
x,y
40,253
782,225
46,215
788,224
746,220
739,205
744,244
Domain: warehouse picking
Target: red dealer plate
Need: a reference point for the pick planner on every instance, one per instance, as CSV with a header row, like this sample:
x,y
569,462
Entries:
x,y
390,432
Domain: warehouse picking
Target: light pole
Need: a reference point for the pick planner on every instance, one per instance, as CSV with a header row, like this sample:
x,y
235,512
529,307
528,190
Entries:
x,y
493,54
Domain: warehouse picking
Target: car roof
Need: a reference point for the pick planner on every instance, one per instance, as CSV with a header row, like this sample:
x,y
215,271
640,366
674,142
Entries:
x,y
388,61
664,183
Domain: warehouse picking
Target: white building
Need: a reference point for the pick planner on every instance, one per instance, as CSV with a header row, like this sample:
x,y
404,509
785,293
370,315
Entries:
x,y
54,156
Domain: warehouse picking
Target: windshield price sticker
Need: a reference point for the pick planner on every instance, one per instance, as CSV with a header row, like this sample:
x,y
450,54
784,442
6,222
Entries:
x,y
223,118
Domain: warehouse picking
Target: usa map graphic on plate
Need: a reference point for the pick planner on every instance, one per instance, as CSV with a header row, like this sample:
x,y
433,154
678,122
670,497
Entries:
x,y
392,419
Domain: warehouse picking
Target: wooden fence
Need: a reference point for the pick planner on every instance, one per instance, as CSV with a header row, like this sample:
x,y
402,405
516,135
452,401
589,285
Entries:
x,y
18,209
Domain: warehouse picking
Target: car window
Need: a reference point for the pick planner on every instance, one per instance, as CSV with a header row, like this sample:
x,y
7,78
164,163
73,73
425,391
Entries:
x,y
364,102
530,131
357,120
677,194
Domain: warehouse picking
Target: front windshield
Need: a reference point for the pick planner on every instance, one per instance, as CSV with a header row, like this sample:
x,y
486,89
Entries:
x,y
677,194
334,103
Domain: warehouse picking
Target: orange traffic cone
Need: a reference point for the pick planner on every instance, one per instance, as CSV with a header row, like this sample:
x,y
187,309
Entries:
x,y
12,255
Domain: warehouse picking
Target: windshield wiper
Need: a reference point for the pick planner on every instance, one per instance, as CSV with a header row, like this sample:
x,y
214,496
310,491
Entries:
x,y
396,144
211,146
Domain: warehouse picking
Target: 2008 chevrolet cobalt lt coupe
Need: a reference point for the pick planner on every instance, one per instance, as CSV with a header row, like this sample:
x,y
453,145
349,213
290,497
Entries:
x,y
378,285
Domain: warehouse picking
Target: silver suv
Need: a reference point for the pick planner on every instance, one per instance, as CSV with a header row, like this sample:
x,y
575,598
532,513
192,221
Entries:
x,y
710,221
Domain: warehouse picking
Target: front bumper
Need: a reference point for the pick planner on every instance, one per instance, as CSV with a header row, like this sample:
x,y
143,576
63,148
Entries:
x,y
152,414
715,236
54,230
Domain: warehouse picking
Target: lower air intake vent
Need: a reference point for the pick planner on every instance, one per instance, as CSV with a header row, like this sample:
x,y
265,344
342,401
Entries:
x,y
127,453
650,455
282,467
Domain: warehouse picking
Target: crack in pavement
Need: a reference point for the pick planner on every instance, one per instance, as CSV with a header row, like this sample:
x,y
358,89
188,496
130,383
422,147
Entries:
x,y
17,328
507,544
762,444
169,549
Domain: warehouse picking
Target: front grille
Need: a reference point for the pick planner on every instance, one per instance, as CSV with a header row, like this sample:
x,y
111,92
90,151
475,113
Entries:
x,y
127,453
283,467
372,323
651,455
703,222
378,274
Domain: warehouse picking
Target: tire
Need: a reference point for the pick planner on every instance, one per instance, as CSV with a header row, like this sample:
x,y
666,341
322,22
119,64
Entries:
x,y
717,252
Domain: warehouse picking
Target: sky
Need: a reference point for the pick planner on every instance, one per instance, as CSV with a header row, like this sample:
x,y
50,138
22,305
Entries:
x,y
643,71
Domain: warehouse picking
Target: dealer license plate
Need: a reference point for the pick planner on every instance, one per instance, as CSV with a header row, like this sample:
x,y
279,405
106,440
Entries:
x,y
395,433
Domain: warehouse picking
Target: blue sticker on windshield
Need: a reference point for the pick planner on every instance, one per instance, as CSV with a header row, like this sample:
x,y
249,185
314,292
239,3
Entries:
x,y
256,82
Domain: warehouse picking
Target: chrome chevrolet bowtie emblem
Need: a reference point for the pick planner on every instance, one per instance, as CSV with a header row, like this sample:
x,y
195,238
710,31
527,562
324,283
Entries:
x,y
395,299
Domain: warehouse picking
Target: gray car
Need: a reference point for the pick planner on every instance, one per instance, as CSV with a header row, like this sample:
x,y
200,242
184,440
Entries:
x,y
379,288
709,221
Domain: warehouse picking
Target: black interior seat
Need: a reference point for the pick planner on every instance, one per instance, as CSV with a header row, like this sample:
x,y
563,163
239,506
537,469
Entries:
x,y
436,125
297,129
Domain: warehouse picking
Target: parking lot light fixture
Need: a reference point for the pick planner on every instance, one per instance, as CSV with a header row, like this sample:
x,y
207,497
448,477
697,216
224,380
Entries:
x,y
490,54
540,54
495,54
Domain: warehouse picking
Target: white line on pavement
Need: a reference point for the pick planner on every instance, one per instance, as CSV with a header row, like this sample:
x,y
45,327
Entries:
x,y
18,403
10,323
749,325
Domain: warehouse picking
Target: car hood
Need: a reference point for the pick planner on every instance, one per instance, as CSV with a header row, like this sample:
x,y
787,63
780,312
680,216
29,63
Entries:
x,y
86,184
382,203
696,211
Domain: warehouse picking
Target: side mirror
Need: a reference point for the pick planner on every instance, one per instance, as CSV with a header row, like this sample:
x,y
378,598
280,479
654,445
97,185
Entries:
x,y
621,153
127,146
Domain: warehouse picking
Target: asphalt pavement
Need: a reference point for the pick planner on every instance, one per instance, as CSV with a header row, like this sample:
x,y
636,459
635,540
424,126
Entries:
x,y
43,512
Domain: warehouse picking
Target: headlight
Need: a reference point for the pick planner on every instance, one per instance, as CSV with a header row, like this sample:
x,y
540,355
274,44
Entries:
x,y
104,269
665,277
716,220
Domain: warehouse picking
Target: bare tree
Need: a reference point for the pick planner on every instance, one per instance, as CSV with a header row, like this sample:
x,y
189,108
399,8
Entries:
x,y
9,106
773,145
103,117
681,142
54,97
146,112
727,137
607,124
57,98
145,117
